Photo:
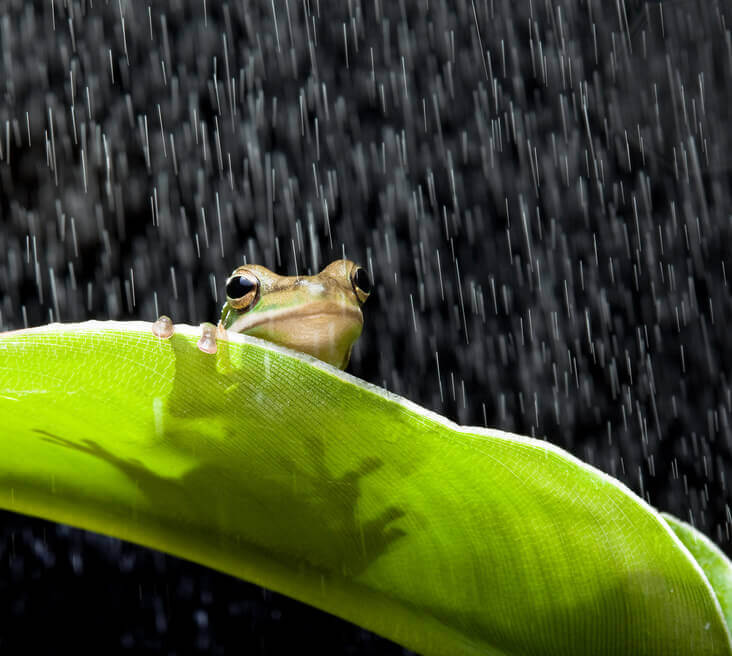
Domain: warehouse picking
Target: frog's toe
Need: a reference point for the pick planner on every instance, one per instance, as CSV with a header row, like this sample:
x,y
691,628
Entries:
x,y
163,327
207,342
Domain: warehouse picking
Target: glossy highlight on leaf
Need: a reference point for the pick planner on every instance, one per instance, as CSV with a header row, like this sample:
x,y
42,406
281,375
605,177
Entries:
x,y
287,472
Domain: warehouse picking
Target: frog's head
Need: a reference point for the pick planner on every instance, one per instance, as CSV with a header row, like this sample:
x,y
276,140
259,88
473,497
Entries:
x,y
320,314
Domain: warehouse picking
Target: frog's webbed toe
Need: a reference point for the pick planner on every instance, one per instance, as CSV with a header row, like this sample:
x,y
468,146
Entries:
x,y
163,327
207,342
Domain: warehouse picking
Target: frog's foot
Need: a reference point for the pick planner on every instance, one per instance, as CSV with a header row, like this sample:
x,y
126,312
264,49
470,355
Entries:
x,y
163,327
207,343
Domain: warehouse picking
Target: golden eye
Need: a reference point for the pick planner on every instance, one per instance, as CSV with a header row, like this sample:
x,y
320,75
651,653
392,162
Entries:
x,y
361,282
242,290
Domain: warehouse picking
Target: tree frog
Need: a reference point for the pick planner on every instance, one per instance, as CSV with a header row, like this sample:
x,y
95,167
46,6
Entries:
x,y
319,315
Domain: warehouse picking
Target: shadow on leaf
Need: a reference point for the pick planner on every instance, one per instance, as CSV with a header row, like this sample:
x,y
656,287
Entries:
x,y
302,513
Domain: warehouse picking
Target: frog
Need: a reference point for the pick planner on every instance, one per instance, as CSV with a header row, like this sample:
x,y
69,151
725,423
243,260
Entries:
x,y
319,315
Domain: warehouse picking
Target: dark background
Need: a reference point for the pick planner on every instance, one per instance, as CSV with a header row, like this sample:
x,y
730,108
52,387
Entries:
x,y
540,189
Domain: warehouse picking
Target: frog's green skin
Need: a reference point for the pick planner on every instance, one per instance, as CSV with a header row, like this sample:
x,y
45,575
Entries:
x,y
320,314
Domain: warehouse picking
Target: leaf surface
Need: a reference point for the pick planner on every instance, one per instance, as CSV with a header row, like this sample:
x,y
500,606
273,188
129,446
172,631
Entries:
x,y
286,472
711,559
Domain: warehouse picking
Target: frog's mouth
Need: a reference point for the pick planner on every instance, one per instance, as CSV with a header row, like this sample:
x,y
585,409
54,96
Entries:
x,y
323,330
320,317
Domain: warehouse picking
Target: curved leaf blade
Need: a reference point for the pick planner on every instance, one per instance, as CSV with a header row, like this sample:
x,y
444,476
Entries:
x,y
289,473
715,564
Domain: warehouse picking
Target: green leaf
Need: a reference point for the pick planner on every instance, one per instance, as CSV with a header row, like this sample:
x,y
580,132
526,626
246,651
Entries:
x,y
715,564
286,472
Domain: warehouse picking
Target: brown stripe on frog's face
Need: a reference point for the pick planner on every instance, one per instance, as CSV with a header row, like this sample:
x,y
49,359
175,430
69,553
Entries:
x,y
320,314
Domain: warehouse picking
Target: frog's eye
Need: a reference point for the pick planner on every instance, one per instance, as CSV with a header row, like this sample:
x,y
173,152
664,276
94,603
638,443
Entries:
x,y
242,290
361,282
